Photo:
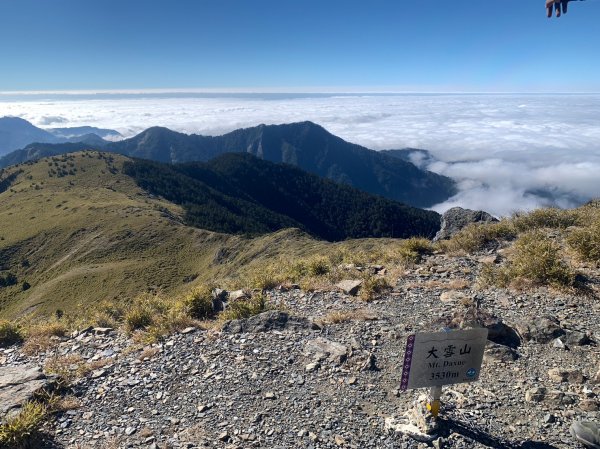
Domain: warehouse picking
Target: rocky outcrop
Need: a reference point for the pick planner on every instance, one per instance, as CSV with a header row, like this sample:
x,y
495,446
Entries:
x,y
542,330
350,286
267,321
19,384
453,220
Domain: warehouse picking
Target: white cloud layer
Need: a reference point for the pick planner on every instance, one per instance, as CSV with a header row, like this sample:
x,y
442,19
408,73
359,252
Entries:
x,y
508,152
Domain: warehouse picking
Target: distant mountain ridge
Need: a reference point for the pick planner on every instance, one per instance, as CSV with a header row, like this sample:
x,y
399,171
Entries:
x,y
304,144
17,133
240,193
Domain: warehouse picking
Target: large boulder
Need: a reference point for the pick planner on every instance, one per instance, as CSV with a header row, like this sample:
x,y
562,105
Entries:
x,y
456,218
321,349
542,329
18,385
267,321
498,331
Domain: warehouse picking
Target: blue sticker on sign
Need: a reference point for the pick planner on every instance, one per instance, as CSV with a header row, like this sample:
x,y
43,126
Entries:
x,y
472,372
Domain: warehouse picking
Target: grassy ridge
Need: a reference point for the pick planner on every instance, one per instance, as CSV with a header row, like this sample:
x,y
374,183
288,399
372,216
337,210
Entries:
x,y
77,231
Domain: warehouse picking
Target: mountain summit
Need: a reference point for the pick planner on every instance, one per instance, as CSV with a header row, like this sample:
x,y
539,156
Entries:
x,y
305,145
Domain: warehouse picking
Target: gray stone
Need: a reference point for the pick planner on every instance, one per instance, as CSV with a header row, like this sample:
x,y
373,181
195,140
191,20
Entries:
x,y
537,394
19,384
577,338
267,321
456,218
566,375
500,353
323,349
238,294
349,286
541,330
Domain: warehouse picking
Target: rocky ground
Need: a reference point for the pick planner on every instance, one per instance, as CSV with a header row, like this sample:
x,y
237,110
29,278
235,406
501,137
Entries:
x,y
282,381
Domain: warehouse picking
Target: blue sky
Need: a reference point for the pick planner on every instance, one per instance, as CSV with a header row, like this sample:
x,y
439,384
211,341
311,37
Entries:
x,y
421,45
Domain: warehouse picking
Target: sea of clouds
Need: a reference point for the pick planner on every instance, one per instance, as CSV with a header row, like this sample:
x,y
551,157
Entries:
x,y
507,152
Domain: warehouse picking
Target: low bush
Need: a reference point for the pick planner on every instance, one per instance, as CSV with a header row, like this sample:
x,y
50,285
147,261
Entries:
x,y
198,303
586,242
372,287
412,250
550,217
20,432
143,312
536,261
265,278
245,309
477,236
10,334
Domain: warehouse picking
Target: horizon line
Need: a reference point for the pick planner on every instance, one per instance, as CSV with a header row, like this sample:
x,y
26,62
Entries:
x,y
287,90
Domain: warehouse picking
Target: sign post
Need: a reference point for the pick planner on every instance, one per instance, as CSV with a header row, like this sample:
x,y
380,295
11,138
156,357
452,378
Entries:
x,y
442,358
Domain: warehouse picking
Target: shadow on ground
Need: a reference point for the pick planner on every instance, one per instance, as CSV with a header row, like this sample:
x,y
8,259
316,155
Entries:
x,y
450,425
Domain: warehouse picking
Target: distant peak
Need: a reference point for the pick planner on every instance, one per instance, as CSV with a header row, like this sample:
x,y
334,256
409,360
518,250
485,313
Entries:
x,y
12,119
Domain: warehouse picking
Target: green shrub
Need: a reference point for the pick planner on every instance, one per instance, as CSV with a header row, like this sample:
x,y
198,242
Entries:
x,y
198,304
138,318
412,250
265,278
372,286
586,242
314,267
536,260
477,236
245,309
20,432
550,217
143,312
318,266
10,334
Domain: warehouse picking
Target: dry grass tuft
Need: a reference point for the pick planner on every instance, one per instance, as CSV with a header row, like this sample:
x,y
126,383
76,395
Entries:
x,y
476,237
68,367
372,287
244,309
44,336
10,334
585,242
536,260
20,432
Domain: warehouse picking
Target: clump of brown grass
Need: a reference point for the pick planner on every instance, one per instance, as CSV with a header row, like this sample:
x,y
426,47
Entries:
x,y
552,218
372,287
68,367
42,336
198,303
477,236
412,250
585,242
536,260
20,432
10,334
245,309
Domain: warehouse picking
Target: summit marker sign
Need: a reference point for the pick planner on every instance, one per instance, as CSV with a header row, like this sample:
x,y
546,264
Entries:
x,y
443,358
